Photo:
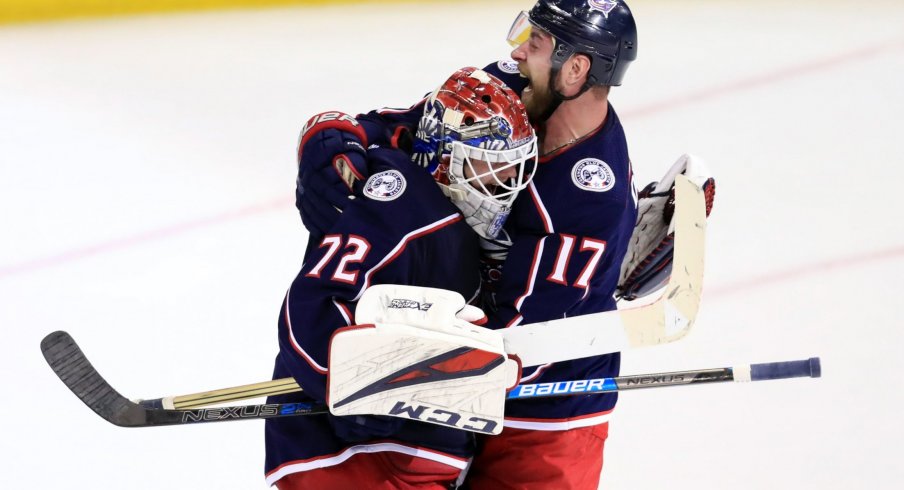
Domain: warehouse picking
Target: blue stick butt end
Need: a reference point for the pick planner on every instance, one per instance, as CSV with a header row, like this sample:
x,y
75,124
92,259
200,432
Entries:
x,y
815,367
808,368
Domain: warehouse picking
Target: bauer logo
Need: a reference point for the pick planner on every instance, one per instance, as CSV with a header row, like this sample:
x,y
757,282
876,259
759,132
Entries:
x,y
564,388
332,118
593,175
508,66
409,304
385,186
604,6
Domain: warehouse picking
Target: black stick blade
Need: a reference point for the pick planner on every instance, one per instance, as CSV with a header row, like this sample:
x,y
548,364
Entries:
x,y
72,367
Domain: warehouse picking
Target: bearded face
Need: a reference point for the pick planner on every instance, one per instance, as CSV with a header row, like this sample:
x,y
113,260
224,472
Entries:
x,y
534,59
538,96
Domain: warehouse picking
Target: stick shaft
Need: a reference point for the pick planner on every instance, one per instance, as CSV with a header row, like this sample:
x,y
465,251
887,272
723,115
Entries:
x,y
752,372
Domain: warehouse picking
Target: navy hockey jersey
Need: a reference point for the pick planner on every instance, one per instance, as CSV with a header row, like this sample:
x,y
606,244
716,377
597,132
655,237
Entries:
x,y
403,230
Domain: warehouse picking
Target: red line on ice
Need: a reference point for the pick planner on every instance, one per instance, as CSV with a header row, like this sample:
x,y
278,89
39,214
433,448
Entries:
x,y
811,269
141,238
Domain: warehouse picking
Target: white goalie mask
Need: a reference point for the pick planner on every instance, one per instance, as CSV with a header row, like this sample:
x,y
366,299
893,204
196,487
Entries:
x,y
475,138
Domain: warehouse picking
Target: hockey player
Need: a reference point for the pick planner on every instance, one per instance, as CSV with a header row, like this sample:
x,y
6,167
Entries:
x,y
402,229
560,252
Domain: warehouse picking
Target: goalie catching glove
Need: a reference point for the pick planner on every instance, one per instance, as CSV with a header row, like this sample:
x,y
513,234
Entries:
x,y
648,263
416,353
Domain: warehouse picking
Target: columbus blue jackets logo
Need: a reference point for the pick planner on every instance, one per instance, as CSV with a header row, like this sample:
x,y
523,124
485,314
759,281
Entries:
x,y
594,175
385,186
604,6
508,66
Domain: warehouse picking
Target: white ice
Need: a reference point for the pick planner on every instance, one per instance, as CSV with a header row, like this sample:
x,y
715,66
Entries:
x,y
146,187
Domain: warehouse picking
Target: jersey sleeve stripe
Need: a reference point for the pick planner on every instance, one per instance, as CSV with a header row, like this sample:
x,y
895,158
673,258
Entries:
x,y
535,266
294,341
536,374
541,208
400,247
345,312
515,321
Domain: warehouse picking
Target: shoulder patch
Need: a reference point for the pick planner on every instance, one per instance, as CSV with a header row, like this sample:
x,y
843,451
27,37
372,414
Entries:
x,y
591,174
508,66
385,186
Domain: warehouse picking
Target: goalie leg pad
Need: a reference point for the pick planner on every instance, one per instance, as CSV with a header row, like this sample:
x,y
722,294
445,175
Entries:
x,y
436,377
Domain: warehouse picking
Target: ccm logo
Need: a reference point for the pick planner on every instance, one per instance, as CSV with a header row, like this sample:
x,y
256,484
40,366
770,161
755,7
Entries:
x,y
443,417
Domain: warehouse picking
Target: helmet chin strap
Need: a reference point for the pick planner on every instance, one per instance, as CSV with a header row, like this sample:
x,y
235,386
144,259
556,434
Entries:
x,y
557,96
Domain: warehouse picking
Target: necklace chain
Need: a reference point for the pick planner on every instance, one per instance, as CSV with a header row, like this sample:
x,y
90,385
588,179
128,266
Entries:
x,y
572,141
550,152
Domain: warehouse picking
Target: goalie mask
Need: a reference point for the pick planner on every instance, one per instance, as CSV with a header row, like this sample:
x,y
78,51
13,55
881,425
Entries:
x,y
475,138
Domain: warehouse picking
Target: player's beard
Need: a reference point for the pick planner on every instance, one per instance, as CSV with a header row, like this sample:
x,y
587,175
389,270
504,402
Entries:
x,y
538,98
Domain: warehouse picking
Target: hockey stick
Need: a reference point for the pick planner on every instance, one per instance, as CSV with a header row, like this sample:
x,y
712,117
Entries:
x,y
752,372
72,367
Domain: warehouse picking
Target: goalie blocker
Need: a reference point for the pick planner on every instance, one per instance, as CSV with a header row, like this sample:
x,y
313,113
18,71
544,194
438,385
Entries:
x,y
414,355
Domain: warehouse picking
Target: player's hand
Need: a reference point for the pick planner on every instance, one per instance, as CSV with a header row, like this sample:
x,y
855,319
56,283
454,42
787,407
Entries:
x,y
332,167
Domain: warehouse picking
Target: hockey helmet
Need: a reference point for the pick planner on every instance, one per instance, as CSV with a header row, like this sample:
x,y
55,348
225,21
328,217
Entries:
x,y
476,140
604,30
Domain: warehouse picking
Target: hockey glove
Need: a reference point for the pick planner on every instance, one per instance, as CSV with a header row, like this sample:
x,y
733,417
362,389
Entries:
x,y
648,263
332,166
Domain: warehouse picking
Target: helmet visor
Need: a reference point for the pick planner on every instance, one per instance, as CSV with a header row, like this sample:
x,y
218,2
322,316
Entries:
x,y
520,31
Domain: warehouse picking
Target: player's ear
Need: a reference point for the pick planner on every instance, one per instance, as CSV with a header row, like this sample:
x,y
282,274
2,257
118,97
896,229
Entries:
x,y
577,69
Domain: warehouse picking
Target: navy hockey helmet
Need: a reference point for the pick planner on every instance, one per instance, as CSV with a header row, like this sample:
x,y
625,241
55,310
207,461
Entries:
x,y
604,30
